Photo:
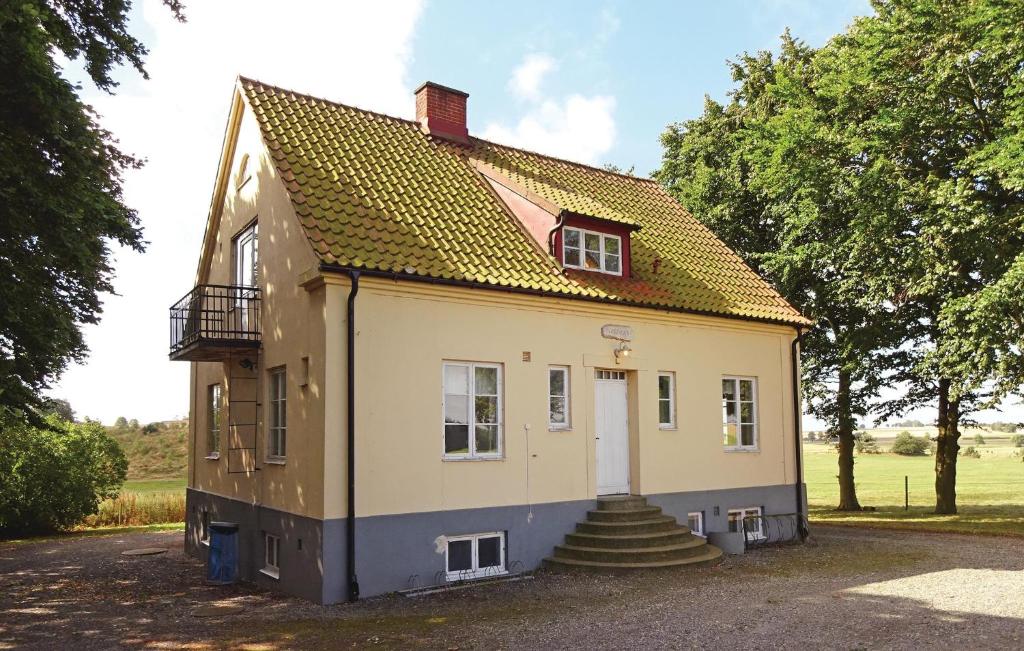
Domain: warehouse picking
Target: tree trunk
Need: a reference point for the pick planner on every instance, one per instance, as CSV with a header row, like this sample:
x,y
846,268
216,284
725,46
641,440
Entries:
x,y
847,489
946,449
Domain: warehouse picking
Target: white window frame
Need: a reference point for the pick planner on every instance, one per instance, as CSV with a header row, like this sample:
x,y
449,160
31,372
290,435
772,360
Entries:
x,y
271,555
472,454
671,424
214,414
476,572
582,250
277,423
739,446
699,531
566,375
247,239
204,527
743,513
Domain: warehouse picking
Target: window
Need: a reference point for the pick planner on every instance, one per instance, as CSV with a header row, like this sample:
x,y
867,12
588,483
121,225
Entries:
x,y
470,557
667,400
558,397
601,374
752,516
739,413
591,250
472,411
278,414
213,412
247,256
695,521
271,555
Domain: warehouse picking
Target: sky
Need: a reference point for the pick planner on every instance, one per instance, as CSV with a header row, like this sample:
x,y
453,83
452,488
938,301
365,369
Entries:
x,y
595,82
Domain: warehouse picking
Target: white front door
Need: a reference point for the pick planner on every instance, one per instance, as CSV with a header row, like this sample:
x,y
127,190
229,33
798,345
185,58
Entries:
x,y
611,427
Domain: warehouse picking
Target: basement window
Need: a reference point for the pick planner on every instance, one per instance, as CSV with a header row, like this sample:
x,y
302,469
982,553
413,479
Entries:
x,y
475,556
591,250
271,552
695,521
204,527
750,515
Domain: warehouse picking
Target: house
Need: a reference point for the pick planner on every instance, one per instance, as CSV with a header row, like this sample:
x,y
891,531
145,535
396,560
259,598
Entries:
x,y
417,356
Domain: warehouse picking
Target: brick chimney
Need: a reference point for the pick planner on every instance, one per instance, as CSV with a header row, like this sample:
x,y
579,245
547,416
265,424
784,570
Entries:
x,y
441,111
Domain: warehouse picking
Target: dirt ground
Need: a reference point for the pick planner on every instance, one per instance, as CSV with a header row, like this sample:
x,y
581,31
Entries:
x,y
847,589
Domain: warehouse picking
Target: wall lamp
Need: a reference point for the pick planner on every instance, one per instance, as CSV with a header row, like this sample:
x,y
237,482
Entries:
x,y
622,352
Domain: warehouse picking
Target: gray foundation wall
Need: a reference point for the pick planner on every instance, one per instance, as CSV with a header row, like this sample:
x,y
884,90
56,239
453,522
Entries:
x,y
396,552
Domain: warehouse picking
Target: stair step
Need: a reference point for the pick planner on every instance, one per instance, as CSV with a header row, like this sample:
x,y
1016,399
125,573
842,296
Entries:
x,y
653,539
624,515
621,503
694,547
710,555
652,525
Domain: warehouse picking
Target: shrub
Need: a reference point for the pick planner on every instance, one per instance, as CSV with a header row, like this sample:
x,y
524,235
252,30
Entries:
x,y
864,443
970,452
53,477
1017,440
909,445
979,439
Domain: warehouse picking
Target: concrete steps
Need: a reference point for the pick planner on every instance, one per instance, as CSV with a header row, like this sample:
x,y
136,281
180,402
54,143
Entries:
x,y
625,533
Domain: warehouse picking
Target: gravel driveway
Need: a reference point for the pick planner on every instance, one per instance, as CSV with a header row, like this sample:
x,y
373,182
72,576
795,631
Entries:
x,y
847,589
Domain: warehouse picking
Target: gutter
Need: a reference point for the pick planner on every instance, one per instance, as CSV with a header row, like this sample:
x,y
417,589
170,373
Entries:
x,y
794,363
452,282
350,404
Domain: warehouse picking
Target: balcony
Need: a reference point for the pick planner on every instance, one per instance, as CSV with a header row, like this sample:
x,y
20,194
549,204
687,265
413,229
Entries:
x,y
212,321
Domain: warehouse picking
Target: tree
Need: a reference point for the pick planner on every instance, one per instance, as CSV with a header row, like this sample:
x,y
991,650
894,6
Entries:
x,y
934,92
51,477
60,407
907,444
61,174
121,422
771,174
979,439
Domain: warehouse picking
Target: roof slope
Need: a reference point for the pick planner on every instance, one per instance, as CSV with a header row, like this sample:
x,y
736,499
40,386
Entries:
x,y
374,192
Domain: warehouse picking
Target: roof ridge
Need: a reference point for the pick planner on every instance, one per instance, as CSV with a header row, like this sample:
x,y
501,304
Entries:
x,y
351,107
567,161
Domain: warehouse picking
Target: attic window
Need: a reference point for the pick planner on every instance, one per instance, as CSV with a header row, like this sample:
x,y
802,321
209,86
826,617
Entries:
x,y
591,250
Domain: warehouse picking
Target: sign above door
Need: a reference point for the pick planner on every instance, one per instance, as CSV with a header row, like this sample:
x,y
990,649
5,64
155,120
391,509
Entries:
x,y
618,332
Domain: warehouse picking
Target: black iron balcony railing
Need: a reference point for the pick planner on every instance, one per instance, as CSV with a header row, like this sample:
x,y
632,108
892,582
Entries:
x,y
211,320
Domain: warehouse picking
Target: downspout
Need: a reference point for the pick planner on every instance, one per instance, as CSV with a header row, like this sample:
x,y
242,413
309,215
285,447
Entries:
x,y
350,528
562,216
794,364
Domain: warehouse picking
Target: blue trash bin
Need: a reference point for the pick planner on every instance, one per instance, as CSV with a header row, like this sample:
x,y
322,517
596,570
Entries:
x,y
222,561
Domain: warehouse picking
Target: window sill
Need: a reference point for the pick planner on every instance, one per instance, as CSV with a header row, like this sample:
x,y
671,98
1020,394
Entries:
x,y
213,456
559,428
473,576
447,458
205,543
742,450
274,574
668,428
277,461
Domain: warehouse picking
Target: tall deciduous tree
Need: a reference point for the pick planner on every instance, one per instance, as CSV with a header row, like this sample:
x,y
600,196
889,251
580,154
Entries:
x,y
936,94
771,174
61,174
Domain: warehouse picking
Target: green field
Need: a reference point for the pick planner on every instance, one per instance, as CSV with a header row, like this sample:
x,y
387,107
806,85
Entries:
x,y
990,490
146,486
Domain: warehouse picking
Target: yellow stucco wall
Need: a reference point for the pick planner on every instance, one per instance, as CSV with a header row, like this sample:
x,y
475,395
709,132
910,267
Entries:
x,y
293,328
406,330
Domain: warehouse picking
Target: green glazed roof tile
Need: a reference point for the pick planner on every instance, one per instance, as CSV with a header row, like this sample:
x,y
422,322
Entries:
x,y
375,192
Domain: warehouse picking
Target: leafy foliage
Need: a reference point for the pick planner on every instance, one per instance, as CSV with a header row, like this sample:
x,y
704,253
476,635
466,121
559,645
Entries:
x,y
970,452
61,173
52,477
909,445
866,443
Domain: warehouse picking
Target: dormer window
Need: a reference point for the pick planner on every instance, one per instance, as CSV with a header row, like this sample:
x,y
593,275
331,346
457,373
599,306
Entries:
x,y
592,251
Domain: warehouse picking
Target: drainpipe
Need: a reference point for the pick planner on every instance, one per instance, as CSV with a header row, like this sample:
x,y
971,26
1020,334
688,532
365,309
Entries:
x,y
794,356
562,216
350,529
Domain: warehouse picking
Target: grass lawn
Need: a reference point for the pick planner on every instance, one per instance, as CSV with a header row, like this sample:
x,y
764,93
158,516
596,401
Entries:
x,y
990,490
144,486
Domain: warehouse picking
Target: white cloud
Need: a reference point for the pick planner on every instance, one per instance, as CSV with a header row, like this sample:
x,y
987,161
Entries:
x,y
527,78
354,52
